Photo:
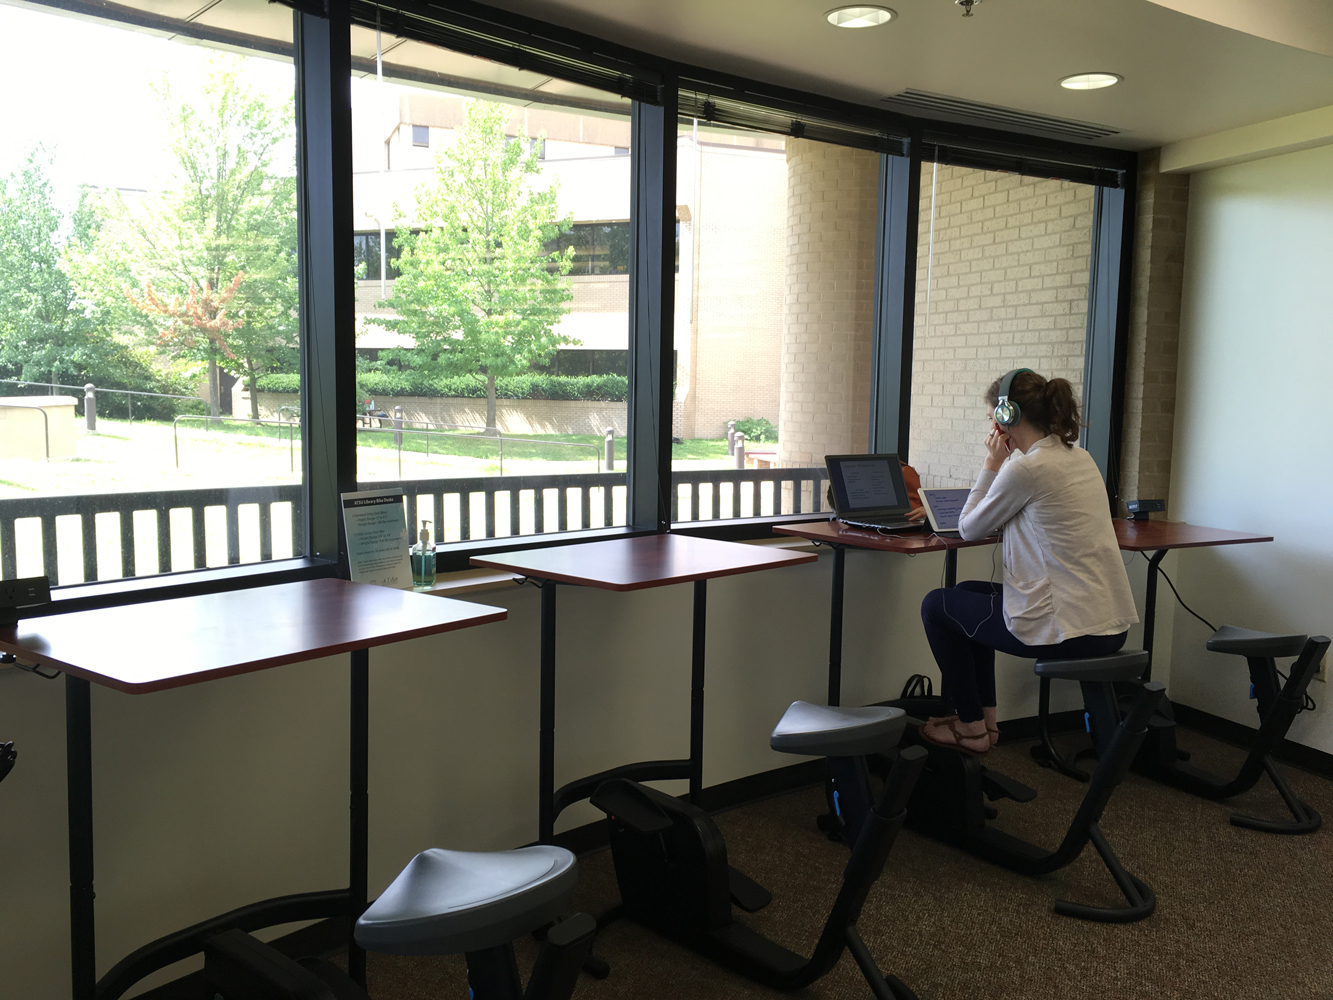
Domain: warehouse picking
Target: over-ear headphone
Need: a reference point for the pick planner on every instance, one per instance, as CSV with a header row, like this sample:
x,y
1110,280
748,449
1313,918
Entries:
x,y
1007,411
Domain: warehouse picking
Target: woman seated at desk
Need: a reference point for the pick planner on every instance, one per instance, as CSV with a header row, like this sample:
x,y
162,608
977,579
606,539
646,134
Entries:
x,y
1065,593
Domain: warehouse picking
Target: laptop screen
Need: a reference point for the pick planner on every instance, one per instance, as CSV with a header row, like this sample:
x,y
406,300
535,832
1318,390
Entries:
x,y
867,484
945,505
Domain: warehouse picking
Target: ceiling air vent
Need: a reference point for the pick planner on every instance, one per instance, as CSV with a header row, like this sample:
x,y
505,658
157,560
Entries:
x,y
920,102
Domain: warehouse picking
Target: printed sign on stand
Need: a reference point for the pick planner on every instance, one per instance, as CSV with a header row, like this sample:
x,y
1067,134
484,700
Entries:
x,y
376,532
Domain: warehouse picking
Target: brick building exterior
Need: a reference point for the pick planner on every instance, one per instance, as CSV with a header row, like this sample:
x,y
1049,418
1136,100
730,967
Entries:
x,y
1002,282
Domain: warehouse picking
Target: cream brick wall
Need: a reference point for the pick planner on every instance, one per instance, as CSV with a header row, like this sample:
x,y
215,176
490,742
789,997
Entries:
x,y
832,199
1154,331
1002,282
732,364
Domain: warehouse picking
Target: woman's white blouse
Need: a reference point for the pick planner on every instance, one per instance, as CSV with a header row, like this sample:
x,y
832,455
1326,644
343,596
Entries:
x,y
1063,573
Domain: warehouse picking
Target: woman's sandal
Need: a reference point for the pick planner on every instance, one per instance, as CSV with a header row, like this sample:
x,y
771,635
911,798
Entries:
x,y
958,738
993,733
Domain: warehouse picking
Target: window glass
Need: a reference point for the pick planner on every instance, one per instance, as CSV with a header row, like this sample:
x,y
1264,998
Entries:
x,y
492,343
148,299
420,135
774,300
1002,282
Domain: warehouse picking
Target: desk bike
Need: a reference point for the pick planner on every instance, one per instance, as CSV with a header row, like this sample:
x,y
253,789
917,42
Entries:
x,y
671,860
443,903
949,801
1277,704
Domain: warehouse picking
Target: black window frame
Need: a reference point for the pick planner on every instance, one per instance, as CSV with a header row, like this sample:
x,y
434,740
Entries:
x,y
661,91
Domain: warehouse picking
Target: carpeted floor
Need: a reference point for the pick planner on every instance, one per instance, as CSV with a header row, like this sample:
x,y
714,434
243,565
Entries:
x,y
1240,914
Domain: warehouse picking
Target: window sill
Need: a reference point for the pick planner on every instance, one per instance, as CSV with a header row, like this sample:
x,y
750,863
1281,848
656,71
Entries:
x,y
164,586
743,529
454,556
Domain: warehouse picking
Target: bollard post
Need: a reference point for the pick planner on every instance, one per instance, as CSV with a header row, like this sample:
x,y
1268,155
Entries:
x,y
731,437
90,407
610,449
397,426
740,450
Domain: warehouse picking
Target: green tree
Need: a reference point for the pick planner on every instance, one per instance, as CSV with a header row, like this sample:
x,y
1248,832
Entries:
x,y
214,258
40,333
479,289
47,331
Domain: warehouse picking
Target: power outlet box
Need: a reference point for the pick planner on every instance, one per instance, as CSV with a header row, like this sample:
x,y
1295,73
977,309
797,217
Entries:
x,y
17,595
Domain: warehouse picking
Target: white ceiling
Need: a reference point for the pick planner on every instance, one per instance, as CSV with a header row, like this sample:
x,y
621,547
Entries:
x,y
1184,76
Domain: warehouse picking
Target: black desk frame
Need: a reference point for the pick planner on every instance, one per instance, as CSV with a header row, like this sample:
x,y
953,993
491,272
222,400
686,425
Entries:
x,y
836,608
552,801
347,903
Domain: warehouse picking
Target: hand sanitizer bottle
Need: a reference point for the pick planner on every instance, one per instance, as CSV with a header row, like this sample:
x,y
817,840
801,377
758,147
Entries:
x,y
423,560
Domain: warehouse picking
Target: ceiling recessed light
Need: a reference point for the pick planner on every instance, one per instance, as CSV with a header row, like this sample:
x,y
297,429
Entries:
x,y
860,17
1090,81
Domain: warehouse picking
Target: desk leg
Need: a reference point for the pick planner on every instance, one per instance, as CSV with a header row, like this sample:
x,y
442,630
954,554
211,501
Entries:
x,y
546,737
835,626
79,765
1150,609
697,691
359,840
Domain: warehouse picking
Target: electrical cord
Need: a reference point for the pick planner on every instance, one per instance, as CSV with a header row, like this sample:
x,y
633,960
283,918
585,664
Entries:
x,y
991,614
1308,704
1180,599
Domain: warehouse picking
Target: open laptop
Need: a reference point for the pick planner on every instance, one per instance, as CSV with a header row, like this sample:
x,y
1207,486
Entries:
x,y
869,492
943,507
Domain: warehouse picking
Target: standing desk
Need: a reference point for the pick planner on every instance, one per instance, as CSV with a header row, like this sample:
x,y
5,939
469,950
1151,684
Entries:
x,y
839,538
1159,538
628,564
169,644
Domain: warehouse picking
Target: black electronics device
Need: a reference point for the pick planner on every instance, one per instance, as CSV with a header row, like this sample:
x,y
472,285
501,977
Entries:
x,y
1140,509
869,492
18,595
671,865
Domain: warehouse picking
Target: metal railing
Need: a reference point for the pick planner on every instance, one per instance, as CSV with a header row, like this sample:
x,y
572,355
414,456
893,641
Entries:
x,y
90,391
126,505
576,498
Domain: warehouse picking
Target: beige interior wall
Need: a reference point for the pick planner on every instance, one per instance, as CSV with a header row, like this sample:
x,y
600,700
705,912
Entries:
x,y
1252,436
1002,282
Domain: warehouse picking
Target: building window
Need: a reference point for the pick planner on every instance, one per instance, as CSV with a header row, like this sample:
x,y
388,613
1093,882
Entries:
x,y
1003,267
622,151
190,337
420,135
366,253
506,399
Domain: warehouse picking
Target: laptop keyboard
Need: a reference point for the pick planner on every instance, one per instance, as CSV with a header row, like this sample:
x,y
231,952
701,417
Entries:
x,y
882,524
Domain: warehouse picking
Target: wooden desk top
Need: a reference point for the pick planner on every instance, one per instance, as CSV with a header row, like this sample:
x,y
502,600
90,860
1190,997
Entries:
x,y
166,644
642,562
1148,536
909,543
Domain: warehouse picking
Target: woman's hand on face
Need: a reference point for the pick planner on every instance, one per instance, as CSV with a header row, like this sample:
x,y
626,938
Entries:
x,y
998,447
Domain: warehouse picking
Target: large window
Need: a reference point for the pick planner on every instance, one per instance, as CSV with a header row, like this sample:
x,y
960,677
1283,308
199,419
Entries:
x,y
148,289
774,305
1002,276
492,314
149,249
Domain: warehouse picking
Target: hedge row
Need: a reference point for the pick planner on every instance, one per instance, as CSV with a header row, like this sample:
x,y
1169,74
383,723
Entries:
x,y
610,388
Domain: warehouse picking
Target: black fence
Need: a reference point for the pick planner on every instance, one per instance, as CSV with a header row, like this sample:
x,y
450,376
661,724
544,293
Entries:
x,y
558,503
